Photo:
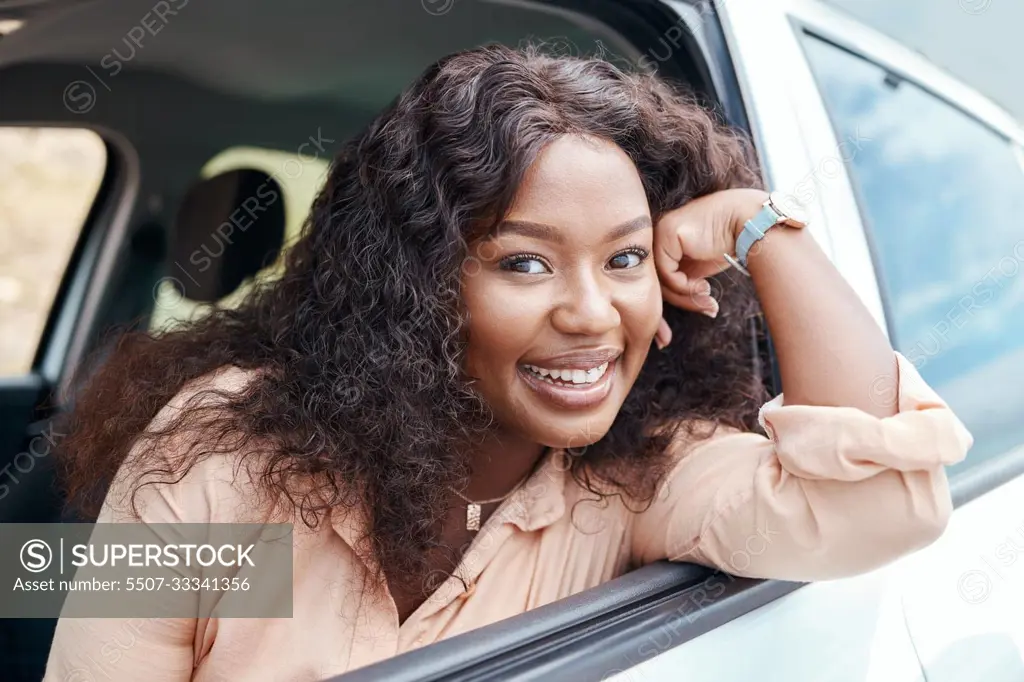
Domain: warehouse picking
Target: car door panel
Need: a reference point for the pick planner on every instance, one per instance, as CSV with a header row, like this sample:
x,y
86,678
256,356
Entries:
x,y
964,610
848,630
942,164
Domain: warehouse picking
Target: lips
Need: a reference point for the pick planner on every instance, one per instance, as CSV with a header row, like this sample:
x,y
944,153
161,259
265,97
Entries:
x,y
576,380
578,359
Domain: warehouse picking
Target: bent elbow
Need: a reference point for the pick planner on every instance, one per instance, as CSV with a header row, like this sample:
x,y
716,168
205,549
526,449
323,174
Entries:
x,y
900,513
928,507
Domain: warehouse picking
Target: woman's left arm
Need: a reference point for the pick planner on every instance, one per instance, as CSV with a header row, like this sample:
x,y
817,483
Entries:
x,y
851,474
829,349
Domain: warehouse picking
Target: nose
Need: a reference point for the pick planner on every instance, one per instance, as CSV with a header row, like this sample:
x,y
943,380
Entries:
x,y
586,308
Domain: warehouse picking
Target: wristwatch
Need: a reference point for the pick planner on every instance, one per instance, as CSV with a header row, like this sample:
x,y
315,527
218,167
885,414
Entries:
x,y
778,209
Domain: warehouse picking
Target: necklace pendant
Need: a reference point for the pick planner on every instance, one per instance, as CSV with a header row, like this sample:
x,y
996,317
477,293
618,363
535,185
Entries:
x,y
472,516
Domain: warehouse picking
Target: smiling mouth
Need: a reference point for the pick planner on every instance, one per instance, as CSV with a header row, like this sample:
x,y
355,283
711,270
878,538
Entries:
x,y
574,388
569,377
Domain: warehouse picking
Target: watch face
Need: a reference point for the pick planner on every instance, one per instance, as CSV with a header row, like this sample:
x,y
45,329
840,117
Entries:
x,y
793,211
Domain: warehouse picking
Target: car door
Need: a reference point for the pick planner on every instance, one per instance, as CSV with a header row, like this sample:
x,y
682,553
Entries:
x,y
932,173
923,176
941,191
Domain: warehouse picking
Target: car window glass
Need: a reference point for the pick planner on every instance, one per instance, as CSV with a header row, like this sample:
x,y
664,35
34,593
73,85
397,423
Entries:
x,y
942,196
49,178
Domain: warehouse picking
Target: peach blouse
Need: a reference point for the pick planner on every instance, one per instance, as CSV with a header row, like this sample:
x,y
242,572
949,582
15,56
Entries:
x,y
831,492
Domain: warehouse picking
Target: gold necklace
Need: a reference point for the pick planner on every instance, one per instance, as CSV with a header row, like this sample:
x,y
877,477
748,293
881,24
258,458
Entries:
x,y
473,508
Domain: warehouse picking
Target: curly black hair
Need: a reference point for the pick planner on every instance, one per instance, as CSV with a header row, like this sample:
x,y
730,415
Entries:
x,y
360,398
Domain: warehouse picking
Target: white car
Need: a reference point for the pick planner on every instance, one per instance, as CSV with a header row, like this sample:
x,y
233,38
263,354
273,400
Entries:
x,y
914,182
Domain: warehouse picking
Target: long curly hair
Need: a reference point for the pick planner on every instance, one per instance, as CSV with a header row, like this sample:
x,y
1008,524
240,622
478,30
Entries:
x,y
360,398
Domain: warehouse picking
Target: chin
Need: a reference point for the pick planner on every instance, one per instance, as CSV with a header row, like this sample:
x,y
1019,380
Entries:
x,y
572,433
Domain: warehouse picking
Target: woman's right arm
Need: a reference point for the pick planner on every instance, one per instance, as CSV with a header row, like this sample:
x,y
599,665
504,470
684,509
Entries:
x,y
127,649
152,649
122,649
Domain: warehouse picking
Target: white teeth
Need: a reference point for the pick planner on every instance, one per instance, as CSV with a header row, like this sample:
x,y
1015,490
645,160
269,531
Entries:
x,y
574,376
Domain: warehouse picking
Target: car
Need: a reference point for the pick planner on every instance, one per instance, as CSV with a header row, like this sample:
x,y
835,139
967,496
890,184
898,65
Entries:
x,y
162,118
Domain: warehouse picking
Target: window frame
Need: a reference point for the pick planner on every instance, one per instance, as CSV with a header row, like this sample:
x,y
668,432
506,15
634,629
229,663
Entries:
x,y
44,358
71,318
88,280
806,16
590,635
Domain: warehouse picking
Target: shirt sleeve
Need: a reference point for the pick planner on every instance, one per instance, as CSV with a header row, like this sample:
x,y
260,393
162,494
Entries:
x,y
152,649
830,492
128,649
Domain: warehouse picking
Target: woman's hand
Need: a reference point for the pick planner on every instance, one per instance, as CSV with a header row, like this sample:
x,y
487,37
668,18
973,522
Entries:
x,y
829,348
689,246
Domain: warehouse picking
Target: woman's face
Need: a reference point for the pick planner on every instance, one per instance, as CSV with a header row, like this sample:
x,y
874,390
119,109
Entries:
x,y
564,298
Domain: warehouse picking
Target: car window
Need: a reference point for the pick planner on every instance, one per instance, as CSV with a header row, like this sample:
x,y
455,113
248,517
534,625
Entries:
x,y
942,196
300,177
49,178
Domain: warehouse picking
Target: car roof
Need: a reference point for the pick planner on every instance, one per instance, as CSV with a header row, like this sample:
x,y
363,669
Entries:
x,y
350,53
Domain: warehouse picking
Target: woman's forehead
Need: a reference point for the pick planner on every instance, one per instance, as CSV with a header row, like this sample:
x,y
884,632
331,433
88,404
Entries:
x,y
578,180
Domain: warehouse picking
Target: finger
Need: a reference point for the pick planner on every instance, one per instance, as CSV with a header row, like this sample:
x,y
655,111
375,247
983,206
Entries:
x,y
667,259
698,288
676,269
704,268
663,336
696,302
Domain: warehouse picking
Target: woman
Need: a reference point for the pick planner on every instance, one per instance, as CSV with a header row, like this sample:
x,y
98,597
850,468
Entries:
x,y
452,391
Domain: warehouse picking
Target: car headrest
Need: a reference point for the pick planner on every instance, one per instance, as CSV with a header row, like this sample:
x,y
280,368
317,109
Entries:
x,y
228,227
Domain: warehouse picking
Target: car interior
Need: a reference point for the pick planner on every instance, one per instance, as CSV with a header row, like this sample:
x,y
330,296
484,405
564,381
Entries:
x,y
200,105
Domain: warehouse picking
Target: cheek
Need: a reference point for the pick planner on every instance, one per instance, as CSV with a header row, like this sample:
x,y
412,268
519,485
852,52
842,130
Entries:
x,y
502,324
641,311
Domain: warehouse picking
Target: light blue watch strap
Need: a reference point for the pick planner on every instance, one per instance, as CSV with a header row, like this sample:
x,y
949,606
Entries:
x,y
753,231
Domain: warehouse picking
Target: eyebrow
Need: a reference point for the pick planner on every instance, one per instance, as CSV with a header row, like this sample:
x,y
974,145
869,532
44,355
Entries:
x,y
551,233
